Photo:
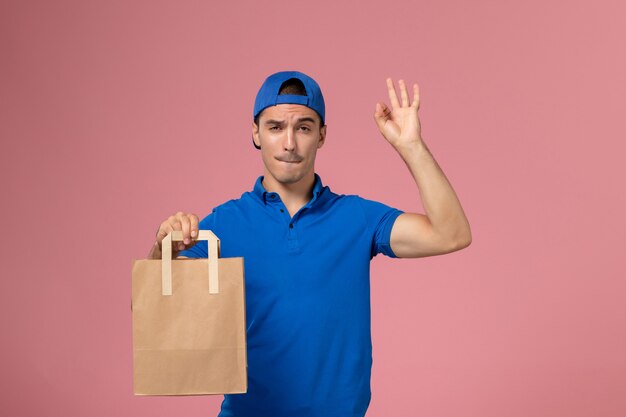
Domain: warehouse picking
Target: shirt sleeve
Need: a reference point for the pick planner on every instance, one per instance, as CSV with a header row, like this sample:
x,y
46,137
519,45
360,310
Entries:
x,y
379,218
200,249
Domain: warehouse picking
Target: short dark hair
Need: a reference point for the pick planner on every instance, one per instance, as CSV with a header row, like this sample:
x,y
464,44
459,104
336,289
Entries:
x,y
292,86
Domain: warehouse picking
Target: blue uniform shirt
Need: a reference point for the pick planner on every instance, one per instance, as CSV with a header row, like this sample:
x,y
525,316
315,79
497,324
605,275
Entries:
x,y
309,345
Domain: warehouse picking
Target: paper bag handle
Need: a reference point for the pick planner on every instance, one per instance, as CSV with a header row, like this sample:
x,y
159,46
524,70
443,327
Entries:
x,y
213,244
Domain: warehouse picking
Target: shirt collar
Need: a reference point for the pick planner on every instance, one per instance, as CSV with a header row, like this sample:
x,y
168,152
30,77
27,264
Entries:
x,y
261,192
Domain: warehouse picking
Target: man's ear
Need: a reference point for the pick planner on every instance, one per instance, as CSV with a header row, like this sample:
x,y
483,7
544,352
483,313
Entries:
x,y
322,137
255,135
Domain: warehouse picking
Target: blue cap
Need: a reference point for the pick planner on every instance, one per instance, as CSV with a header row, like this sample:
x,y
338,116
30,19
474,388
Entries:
x,y
268,93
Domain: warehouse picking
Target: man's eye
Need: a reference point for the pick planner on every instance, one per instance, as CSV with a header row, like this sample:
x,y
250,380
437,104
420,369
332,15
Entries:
x,y
306,128
274,128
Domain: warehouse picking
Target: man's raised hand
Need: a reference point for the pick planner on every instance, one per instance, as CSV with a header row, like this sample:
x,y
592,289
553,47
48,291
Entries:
x,y
400,124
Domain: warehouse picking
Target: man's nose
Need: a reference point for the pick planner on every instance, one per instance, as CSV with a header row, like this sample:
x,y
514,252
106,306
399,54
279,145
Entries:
x,y
290,140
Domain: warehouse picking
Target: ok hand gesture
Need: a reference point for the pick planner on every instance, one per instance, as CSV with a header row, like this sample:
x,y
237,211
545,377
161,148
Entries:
x,y
399,125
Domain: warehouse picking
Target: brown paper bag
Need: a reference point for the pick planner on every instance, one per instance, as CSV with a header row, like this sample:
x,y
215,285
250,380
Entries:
x,y
189,323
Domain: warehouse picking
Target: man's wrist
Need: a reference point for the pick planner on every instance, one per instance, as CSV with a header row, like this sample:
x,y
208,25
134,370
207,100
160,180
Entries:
x,y
416,145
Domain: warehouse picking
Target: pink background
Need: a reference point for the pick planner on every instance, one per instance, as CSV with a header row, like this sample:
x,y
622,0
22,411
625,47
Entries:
x,y
116,114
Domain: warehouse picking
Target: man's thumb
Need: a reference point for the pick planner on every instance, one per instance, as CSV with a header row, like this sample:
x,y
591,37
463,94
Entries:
x,y
379,116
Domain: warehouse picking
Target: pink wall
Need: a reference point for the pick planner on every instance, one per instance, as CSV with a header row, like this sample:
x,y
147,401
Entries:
x,y
114,115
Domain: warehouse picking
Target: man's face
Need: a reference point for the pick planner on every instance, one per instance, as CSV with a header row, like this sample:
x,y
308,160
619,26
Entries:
x,y
289,136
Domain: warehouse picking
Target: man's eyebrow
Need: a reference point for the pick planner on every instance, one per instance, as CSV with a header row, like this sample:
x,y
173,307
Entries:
x,y
280,122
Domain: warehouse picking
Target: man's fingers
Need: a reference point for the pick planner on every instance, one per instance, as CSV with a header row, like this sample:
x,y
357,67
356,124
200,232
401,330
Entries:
x,y
186,226
161,233
194,225
379,115
186,223
416,96
174,224
404,94
382,114
392,94
165,228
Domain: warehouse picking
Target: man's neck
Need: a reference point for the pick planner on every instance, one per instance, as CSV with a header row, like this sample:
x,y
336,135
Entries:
x,y
294,195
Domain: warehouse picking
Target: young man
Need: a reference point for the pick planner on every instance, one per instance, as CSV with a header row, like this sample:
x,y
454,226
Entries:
x,y
307,252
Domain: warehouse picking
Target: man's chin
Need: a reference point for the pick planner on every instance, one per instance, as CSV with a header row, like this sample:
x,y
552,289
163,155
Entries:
x,y
289,178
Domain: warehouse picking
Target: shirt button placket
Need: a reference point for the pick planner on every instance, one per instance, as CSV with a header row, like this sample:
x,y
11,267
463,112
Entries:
x,y
292,241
